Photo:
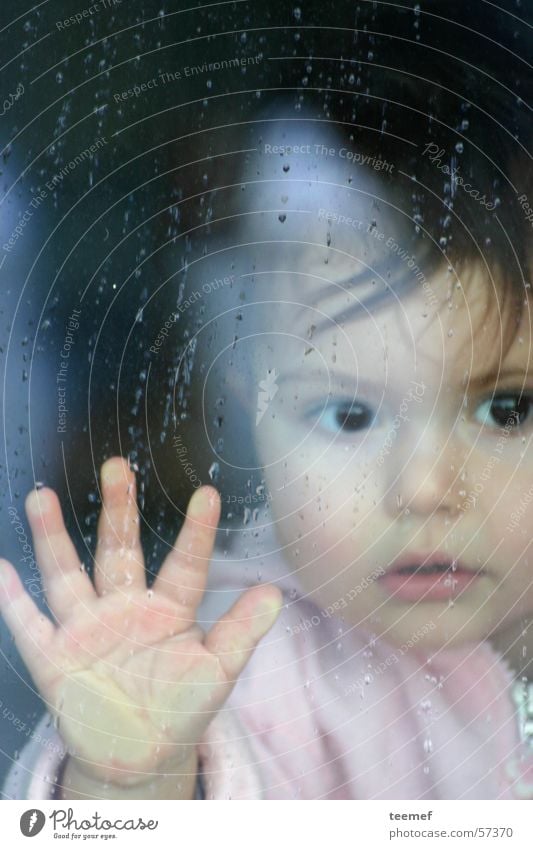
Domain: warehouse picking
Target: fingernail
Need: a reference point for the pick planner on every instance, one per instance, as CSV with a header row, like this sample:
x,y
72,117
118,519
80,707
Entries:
x,y
270,605
113,473
197,505
36,501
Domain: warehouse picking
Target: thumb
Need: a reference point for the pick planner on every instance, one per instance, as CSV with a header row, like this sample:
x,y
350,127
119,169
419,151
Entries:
x,y
236,634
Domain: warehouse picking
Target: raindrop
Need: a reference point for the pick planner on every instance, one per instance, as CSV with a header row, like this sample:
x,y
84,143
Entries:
x,y
286,167
214,471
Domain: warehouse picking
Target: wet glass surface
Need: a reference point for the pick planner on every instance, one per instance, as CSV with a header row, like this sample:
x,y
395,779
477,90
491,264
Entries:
x,y
285,252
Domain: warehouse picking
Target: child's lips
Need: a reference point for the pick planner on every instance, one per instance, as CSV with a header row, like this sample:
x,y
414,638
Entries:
x,y
429,577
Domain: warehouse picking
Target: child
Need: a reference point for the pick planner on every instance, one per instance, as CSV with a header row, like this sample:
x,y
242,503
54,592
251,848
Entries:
x,y
388,407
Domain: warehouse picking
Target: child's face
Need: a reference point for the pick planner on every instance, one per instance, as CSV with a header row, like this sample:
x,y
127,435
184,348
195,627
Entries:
x,y
410,471
421,465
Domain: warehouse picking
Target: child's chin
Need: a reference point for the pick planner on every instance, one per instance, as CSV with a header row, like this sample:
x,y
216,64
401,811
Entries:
x,y
429,635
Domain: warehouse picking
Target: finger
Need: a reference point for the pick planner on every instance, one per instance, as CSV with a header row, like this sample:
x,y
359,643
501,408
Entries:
x,y
31,629
236,634
183,575
65,581
119,560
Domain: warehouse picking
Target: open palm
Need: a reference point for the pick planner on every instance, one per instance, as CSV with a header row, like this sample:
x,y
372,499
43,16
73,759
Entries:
x,y
132,680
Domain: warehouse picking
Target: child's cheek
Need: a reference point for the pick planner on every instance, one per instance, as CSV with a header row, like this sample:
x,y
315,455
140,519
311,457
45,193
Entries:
x,y
507,503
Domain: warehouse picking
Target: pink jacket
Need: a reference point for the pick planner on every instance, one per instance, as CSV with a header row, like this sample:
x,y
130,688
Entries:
x,y
322,713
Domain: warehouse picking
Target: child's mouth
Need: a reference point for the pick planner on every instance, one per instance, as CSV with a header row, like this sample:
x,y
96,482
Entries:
x,y
428,578
424,570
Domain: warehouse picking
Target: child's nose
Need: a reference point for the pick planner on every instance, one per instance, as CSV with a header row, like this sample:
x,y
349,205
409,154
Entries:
x,y
424,475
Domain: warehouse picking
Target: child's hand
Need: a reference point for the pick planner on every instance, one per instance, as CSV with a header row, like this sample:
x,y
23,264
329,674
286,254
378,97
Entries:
x,y
133,681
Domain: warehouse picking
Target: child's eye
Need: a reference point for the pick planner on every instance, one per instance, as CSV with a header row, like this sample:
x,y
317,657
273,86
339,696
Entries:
x,y
512,409
348,416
